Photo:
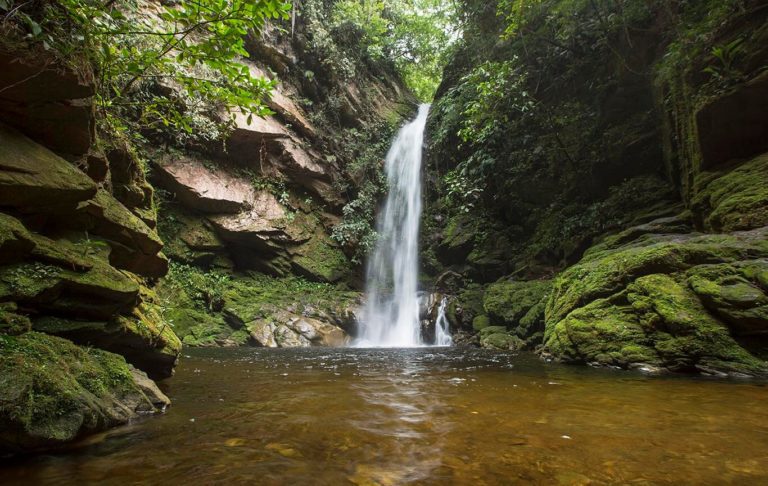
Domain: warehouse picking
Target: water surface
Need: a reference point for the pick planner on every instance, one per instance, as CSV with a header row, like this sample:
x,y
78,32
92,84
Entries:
x,y
423,416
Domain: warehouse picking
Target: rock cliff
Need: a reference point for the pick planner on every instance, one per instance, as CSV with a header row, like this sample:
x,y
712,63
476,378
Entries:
x,y
623,213
116,246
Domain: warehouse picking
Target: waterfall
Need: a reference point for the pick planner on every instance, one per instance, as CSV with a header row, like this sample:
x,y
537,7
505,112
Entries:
x,y
442,328
391,315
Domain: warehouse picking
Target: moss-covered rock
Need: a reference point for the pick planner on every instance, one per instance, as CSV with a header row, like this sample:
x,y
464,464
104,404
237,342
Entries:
x,y
33,176
671,301
734,199
320,259
12,323
498,337
481,322
735,293
466,307
52,392
519,305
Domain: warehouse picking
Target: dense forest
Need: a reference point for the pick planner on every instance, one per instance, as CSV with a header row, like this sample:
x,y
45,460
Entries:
x,y
183,174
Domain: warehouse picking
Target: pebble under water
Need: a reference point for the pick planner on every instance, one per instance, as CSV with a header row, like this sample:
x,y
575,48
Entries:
x,y
422,416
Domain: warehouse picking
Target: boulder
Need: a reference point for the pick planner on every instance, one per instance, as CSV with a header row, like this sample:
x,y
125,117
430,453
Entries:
x,y
208,189
518,305
499,338
31,176
53,392
660,301
48,100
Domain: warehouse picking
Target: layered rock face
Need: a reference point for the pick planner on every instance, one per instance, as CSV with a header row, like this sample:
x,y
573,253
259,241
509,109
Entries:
x,y
266,201
79,329
666,281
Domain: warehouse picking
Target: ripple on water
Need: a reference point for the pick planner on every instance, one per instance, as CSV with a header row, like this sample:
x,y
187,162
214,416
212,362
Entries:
x,y
426,416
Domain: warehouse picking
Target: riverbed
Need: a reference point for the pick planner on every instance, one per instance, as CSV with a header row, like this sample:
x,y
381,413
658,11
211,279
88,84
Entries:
x,y
422,416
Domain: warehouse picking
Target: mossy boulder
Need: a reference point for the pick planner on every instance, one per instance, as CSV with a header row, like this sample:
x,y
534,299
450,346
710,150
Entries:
x,y
498,337
519,305
466,307
736,293
481,322
53,392
665,301
144,338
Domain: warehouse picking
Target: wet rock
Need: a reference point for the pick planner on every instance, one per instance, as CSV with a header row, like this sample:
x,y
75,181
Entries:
x,y
205,188
52,392
319,333
263,333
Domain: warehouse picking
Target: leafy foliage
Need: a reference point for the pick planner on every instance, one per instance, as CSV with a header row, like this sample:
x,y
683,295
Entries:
x,y
416,34
356,232
204,288
194,45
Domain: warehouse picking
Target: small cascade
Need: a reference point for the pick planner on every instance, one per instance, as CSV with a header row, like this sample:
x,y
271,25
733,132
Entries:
x,y
442,327
391,315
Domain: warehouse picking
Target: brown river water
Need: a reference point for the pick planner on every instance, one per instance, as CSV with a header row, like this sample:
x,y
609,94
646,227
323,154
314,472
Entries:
x,y
422,416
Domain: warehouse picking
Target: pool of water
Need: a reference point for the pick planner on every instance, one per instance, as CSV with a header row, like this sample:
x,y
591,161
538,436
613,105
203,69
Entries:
x,y
422,416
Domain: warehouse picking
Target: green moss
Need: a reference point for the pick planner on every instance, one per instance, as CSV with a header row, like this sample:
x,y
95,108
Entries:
x,y
12,323
52,391
244,299
657,321
320,260
498,337
481,322
735,199
518,304
606,272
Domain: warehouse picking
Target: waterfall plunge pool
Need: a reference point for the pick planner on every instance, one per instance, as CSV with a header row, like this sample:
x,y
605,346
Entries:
x,y
422,416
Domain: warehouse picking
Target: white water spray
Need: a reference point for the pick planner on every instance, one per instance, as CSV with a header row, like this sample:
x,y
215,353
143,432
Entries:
x,y
442,327
391,316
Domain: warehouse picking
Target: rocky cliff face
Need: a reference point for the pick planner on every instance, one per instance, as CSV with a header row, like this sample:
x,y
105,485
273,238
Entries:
x,y
91,223
79,251
626,208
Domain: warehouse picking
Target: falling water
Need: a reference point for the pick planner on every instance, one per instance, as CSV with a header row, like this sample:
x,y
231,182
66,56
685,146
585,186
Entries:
x,y
442,328
391,317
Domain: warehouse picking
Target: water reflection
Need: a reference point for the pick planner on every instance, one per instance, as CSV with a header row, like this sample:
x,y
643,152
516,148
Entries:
x,y
423,416
399,406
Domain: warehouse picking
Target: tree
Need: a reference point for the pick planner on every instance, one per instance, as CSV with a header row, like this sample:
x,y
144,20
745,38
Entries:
x,y
415,34
192,46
